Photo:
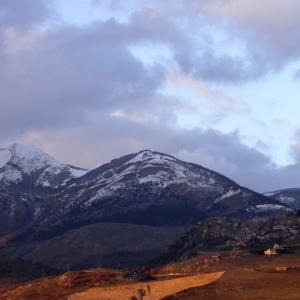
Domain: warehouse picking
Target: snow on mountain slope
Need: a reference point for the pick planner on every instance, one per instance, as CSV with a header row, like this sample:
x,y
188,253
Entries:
x,y
269,207
19,161
157,170
147,187
288,197
153,188
229,194
5,156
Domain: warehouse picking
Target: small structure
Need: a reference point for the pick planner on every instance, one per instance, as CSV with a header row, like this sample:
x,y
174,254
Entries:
x,y
273,251
270,252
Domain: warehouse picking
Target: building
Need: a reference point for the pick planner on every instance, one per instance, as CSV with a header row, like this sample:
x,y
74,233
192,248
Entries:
x,y
271,252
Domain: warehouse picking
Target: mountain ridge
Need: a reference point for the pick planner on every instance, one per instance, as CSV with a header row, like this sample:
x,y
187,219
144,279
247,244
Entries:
x,y
290,197
147,187
29,160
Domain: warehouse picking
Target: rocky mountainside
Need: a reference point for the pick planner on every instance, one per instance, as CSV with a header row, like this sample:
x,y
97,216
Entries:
x,y
288,197
221,233
151,188
27,177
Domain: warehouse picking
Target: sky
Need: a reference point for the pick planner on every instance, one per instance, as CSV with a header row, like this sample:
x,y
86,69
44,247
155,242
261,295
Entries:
x,y
215,82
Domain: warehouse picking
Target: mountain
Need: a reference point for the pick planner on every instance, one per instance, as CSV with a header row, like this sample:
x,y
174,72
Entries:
x,y
27,177
151,188
288,197
44,203
25,164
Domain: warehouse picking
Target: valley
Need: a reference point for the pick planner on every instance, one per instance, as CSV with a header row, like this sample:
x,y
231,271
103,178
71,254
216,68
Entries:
x,y
105,244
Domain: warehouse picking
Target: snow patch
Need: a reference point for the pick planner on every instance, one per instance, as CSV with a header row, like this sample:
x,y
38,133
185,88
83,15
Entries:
x,y
77,172
156,169
229,194
270,207
5,156
151,157
287,199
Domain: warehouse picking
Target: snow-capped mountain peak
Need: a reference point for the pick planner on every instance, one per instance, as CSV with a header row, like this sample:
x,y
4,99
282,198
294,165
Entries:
x,y
20,160
32,159
151,157
157,171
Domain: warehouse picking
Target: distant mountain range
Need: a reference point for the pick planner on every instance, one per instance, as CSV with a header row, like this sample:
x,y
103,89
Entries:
x,y
147,187
41,198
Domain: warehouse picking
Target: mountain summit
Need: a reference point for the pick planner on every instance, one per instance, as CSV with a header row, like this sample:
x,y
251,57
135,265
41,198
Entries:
x,y
20,161
152,188
27,177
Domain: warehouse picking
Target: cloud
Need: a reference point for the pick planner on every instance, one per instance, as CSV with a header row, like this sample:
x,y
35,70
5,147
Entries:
x,y
269,28
67,73
80,92
23,14
110,136
211,97
225,41
295,147
297,74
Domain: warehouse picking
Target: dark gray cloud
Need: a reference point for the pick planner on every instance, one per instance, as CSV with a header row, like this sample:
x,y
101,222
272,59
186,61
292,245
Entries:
x,y
22,14
265,42
70,72
126,134
80,93
269,42
109,137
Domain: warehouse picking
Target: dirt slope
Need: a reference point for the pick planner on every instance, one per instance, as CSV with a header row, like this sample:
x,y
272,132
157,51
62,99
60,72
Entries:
x,y
150,290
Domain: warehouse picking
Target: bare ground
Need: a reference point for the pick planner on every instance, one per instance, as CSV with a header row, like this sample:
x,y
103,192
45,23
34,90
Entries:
x,y
247,277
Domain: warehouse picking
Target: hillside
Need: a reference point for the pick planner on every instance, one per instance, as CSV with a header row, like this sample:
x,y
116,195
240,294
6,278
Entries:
x,y
219,234
18,270
105,245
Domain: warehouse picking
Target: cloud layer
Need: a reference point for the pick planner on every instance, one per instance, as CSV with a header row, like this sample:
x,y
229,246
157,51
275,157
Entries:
x,y
81,92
